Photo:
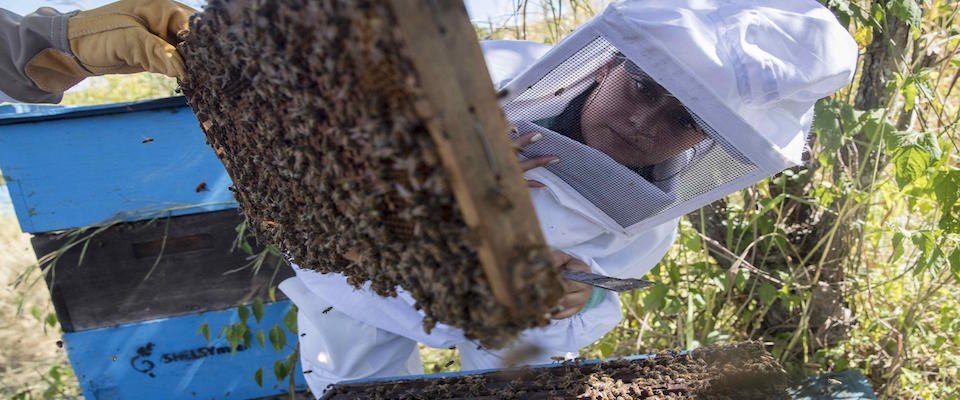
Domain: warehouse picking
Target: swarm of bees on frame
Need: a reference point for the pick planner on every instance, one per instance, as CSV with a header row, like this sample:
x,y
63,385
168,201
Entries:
x,y
739,371
319,119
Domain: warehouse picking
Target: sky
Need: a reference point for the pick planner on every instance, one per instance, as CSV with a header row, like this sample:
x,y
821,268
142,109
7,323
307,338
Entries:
x,y
479,10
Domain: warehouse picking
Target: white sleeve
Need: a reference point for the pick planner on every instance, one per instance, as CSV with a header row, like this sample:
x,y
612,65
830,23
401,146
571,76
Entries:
x,y
392,314
627,257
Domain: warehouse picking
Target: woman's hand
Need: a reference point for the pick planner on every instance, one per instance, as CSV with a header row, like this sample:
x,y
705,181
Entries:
x,y
575,294
524,141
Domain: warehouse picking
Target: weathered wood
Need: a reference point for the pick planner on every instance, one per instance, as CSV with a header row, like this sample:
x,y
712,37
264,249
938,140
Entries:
x,y
109,286
469,130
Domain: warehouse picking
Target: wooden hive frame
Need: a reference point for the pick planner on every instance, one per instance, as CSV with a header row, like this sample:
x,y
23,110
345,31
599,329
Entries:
x,y
738,371
468,127
449,93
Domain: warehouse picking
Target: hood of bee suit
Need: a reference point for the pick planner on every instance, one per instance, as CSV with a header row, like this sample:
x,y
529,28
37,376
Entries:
x,y
748,73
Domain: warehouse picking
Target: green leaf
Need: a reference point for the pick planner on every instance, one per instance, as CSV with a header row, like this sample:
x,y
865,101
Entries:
x,y
910,162
907,11
841,8
291,361
654,298
257,309
826,124
674,271
243,312
245,246
877,15
850,118
54,373
36,313
261,338
51,319
946,187
278,338
767,292
279,370
205,331
930,252
258,377
247,337
954,260
897,246
272,293
909,94
929,142
233,336
607,346
290,320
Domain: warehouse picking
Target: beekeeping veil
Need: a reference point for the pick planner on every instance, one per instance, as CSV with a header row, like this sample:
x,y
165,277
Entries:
x,y
658,107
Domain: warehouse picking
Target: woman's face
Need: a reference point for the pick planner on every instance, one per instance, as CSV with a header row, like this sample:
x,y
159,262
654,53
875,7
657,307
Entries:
x,y
634,120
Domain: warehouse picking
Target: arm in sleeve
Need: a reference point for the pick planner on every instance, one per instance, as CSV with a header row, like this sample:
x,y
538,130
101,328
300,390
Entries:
x,y
627,257
24,38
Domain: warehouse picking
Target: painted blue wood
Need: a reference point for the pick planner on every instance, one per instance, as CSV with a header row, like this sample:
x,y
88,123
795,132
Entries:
x,y
843,385
169,359
78,166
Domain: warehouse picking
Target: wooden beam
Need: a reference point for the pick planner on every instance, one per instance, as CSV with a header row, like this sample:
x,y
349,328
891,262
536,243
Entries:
x,y
470,131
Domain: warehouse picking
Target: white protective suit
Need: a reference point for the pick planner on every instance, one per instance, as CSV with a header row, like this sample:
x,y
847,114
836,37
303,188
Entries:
x,y
748,71
366,335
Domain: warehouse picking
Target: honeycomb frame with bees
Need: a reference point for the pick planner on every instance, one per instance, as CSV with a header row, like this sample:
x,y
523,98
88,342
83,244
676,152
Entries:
x,y
737,371
365,138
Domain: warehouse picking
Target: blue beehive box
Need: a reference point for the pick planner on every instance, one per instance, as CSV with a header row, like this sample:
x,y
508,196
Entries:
x,y
69,167
133,298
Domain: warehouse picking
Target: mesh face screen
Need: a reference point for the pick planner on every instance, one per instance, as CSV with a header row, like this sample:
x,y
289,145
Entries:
x,y
625,144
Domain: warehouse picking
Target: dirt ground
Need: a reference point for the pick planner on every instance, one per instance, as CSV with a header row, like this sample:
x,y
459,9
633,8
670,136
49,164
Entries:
x,y
28,347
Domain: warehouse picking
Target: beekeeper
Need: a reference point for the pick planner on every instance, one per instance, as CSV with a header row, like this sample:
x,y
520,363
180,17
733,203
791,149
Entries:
x,y
649,111
46,52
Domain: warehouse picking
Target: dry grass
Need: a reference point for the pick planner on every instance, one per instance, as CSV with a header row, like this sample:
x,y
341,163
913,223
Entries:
x,y
28,348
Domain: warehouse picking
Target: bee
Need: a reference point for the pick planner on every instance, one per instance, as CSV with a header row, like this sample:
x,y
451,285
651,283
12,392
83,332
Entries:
x,y
201,187
59,344
114,358
147,140
326,310
449,363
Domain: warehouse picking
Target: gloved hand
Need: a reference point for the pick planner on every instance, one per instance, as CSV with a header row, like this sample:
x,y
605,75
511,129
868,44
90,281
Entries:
x,y
127,36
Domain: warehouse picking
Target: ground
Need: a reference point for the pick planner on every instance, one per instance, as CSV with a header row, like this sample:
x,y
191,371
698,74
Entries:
x,y
30,359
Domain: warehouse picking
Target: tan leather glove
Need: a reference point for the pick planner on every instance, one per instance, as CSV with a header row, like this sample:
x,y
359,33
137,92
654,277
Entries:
x,y
124,37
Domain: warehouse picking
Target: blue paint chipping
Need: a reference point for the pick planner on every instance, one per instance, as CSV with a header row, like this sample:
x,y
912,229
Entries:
x,y
78,166
169,359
